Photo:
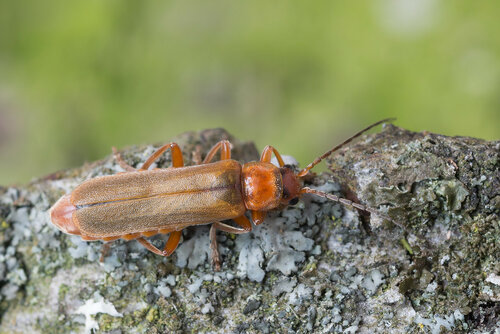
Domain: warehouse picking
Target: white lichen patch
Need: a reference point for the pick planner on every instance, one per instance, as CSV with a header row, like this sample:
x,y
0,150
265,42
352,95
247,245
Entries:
x,y
250,259
73,278
162,289
195,251
284,284
195,286
436,324
277,239
287,159
93,306
373,280
300,294
391,296
84,249
65,186
276,245
493,278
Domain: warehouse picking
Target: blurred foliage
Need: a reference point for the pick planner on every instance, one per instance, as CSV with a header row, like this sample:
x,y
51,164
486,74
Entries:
x,y
79,77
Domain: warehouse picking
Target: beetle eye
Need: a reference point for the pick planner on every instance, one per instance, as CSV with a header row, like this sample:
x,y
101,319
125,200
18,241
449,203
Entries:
x,y
293,201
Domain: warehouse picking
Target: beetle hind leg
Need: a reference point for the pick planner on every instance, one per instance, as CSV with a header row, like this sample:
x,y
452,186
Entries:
x,y
170,246
214,247
121,162
149,246
242,221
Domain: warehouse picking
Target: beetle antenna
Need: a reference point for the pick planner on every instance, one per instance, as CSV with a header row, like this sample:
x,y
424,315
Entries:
x,y
319,159
347,202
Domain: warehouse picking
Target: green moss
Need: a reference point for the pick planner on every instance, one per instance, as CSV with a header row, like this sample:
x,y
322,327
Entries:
x,y
407,246
63,290
107,322
152,314
310,268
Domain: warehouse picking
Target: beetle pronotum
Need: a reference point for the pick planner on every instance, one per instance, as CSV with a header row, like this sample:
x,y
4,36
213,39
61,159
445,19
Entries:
x,y
140,203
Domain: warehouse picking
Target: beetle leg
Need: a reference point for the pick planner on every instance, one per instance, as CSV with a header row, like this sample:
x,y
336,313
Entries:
x,y
196,155
131,236
226,228
214,247
105,248
172,242
150,247
177,159
111,238
121,162
258,217
149,233
243,222
170,246
266,155
88,238
225,151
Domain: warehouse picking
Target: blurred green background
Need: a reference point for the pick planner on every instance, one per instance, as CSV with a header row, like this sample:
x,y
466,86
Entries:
x,y
79,77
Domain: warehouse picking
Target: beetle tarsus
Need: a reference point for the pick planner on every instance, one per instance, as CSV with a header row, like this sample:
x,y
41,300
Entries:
x,y
216,261
106,247
214,247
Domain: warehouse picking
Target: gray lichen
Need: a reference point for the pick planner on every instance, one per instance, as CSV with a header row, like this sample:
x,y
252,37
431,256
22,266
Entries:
x,y
313,267
446,191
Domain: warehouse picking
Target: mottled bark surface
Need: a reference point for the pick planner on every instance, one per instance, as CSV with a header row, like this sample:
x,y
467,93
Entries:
x,y
314,267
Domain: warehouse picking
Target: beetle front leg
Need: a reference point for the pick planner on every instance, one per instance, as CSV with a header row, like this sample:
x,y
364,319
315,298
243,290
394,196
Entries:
x,y
258,216
266,155
243,222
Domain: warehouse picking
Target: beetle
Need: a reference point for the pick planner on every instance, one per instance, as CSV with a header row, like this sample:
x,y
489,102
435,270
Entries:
x,y
140,203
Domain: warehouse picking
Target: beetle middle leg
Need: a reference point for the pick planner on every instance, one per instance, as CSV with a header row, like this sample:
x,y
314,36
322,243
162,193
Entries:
x,y
196,155
242,221
177,159
106,247
225,151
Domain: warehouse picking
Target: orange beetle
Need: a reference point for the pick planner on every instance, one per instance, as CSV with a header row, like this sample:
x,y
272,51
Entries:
x,y
140,203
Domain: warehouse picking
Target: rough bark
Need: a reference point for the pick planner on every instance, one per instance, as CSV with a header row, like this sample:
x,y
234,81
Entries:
x,y
314,267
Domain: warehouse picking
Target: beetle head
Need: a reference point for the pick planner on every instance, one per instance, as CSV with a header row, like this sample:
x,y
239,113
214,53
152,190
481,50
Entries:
x,y
291,185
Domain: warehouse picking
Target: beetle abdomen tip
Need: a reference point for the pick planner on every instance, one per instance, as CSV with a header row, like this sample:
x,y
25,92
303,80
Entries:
x,y
61,215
